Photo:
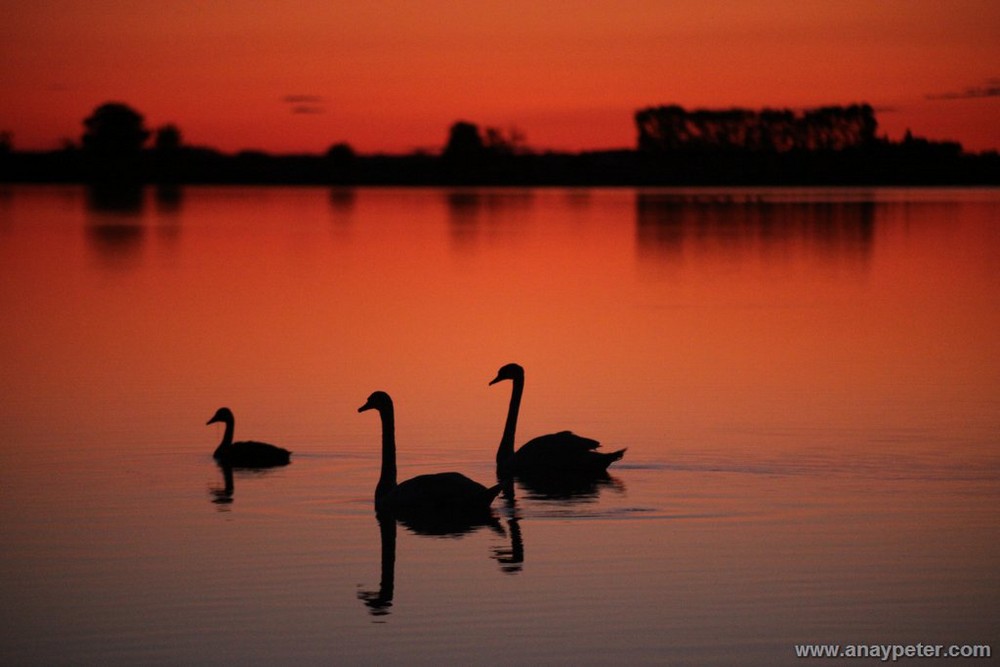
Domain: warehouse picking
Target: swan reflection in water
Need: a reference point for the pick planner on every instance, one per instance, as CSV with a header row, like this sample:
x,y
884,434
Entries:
x,y
571,487
565,491
511,558
379,601
223,496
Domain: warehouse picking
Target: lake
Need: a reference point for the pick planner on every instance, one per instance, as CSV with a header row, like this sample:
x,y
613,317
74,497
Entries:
x,y
807,382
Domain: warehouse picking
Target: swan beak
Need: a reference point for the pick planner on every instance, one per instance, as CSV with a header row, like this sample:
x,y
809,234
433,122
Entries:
x,y
367,406
495,380
211,421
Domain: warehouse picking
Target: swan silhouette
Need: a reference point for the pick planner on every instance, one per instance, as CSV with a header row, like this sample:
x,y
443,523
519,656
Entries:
x,y
247,454
562,453
445,495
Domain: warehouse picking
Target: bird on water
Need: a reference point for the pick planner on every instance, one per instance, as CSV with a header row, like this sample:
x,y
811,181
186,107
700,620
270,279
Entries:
x,y
553,454
248,453
445,493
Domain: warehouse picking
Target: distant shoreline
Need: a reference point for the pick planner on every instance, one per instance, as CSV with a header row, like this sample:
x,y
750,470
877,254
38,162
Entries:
x,y
886,164
826,146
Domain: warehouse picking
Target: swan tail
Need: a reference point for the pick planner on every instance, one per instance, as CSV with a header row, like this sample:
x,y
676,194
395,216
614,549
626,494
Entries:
x,y
493,492
607,458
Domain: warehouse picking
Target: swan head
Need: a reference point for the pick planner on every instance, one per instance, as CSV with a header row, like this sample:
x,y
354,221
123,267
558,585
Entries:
x,y
224,415
379,400
509,372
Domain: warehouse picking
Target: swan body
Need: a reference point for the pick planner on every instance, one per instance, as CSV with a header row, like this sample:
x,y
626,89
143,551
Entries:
x,y
562,453
248,453
441,494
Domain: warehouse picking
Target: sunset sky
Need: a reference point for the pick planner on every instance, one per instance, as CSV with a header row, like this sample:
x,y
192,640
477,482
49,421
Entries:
x,y
392,75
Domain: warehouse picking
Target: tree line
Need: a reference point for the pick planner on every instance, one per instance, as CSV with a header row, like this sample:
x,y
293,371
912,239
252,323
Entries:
x,y
674,146
832,128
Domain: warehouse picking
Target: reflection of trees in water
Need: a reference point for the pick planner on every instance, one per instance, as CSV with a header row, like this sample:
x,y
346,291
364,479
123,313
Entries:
x,y
116,242
114,228
739,224
343,200
123,199
118,222
169,198
6,199
475,213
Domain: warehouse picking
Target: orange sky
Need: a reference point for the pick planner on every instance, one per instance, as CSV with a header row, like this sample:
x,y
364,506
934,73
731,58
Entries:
x,y
392,75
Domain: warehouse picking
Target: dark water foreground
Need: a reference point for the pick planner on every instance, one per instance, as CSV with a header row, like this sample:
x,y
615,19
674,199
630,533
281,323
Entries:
x,y
806,382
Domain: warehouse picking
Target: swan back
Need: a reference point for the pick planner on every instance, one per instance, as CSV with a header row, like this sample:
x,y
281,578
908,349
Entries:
x,y
443,492
564,451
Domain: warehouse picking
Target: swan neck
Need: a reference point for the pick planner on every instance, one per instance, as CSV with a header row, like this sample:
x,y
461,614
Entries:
x,y
387,479
227,436
506,449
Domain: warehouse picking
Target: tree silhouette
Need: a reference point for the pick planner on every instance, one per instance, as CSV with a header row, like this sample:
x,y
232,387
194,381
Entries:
x,y
112,143
834,145
833,128
6,149
464,156
340,159
167,146
168,138
497,142
114,129
464,141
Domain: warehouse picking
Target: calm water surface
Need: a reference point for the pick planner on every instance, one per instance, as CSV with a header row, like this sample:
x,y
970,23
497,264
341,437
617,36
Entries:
x,y
807,382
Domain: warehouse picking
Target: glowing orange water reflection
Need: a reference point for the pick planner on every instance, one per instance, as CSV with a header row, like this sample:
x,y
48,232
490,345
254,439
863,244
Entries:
x,y
650,319
806,382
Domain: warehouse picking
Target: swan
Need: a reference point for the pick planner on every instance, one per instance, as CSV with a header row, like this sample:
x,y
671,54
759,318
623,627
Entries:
x,y
247,454
556,453
445,493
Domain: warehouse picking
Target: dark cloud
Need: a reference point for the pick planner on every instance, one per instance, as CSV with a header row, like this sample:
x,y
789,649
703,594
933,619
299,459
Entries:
x,y
990,89
304,104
